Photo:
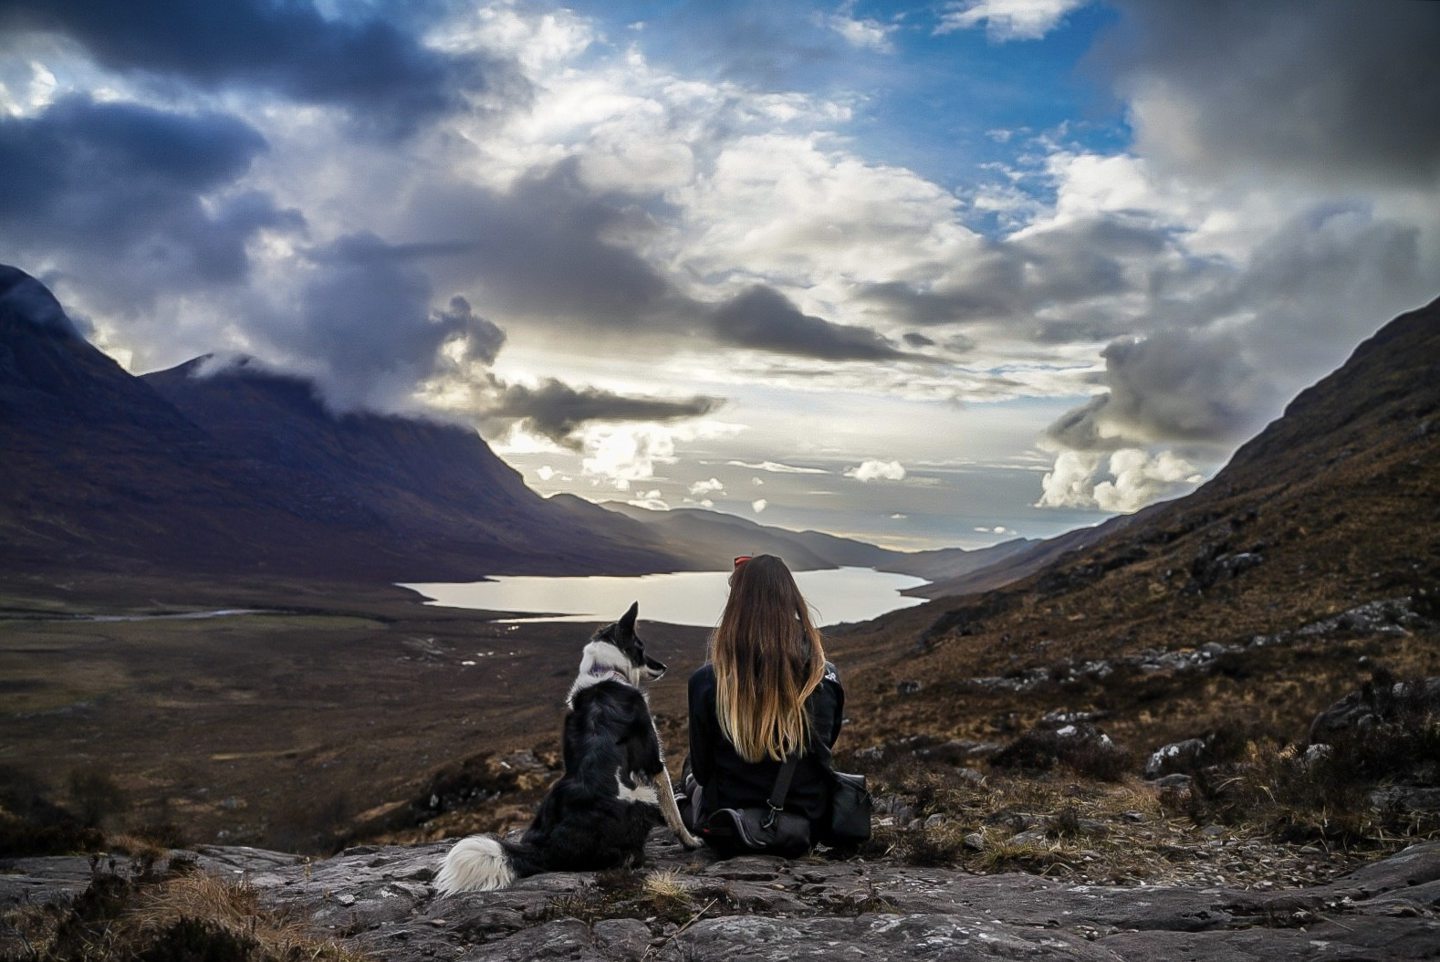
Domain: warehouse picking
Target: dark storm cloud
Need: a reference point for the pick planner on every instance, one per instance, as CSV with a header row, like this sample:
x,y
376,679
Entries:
x,y
387,79
108,182
365,330
1171,386
364,327
76,141
544,248
916,339
1222,358
1331,89
763,319
557,410
1069,267
547,249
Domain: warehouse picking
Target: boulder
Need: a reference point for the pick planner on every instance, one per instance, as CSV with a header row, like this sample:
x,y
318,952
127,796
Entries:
x,y
1373,704
1181,756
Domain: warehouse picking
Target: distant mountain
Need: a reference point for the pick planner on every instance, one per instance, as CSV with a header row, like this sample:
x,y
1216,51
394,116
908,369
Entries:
x,y
695,532
999,565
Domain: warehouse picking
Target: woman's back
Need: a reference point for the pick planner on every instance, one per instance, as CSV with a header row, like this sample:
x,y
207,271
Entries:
x,y
732,782
766,694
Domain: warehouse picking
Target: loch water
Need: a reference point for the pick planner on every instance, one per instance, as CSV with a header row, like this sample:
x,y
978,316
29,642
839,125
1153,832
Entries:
x,y
679,598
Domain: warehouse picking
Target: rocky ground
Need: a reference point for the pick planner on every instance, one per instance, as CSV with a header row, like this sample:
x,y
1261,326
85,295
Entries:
x,y
378,902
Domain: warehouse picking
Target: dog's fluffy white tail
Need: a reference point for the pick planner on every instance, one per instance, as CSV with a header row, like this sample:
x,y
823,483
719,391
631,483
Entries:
x,y
475,864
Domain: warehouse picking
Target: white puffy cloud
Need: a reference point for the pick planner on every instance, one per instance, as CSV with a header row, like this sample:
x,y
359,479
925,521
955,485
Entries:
x,y
712,486
759,505
863,33
545,472
876,470
1124,481
625,454
650,499
1006,19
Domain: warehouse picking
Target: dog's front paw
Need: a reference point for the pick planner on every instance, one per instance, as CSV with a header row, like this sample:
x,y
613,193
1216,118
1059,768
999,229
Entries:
x,y
688,840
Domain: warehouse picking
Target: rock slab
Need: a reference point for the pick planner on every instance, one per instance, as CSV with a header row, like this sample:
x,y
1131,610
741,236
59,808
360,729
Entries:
x,y
758,909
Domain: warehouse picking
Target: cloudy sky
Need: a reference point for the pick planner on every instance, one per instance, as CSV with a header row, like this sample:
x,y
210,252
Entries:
x,y
927,274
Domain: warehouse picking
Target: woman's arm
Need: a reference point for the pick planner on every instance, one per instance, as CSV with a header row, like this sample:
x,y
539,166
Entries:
x,y
702,737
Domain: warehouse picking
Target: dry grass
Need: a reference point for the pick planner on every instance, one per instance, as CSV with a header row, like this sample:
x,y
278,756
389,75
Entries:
x,y
668,893
1088,831
186,916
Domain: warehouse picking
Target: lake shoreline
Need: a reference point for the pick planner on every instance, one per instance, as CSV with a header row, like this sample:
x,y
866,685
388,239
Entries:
x,y
688,598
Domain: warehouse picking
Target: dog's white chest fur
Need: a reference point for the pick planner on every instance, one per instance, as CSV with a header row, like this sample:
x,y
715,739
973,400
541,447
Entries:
x,y
642,792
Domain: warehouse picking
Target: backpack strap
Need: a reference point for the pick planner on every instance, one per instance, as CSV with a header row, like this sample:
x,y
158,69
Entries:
x,y
776,801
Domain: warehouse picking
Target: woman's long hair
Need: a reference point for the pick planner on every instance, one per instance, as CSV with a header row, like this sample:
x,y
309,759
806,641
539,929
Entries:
x,y
768,660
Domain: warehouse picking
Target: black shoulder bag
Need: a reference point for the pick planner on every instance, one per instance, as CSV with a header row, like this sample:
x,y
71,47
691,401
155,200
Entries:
x,y
848,821
770,830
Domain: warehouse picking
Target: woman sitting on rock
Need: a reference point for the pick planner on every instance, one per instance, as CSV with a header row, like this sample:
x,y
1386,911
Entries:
x,y
766,695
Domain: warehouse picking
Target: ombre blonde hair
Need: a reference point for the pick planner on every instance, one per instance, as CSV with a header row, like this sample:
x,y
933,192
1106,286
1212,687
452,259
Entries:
x,y
768,659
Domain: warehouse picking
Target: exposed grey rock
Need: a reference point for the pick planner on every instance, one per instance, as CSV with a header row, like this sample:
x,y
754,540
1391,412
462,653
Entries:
x,y
970,776
1389,616
1175,757
1371,705
1406,798
763,909
1176,780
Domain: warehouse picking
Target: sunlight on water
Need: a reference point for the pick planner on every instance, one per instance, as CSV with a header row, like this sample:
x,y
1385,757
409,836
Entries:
x,y
680,598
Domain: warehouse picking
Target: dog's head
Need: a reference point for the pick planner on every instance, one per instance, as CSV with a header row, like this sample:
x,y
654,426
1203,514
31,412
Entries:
x,y
622,636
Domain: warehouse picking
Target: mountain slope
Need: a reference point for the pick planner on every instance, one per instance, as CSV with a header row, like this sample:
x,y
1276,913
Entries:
x,y
1334,506
97,462
436,487
1010,561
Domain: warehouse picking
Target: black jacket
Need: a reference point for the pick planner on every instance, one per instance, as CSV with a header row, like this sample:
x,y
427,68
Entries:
x,y
732,782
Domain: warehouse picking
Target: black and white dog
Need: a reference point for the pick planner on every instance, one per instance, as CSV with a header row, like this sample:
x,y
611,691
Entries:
x,y
615,783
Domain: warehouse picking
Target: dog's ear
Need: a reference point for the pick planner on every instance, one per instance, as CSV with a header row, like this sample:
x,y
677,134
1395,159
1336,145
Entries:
x,y
627,621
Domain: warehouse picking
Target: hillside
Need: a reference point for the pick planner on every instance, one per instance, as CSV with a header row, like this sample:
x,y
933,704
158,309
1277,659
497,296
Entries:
x,y
97,462
433,487
1333,508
